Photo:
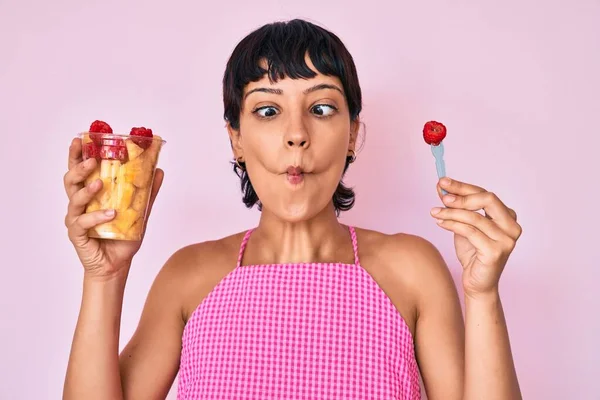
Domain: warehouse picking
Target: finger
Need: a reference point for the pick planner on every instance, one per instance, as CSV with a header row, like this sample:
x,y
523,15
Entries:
x,y
512,213
477,238
485,225
494,208
74,178
460,188
75,153
80,226
80,200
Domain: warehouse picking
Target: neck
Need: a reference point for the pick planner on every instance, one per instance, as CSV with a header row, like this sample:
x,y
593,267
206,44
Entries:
x,y
319,239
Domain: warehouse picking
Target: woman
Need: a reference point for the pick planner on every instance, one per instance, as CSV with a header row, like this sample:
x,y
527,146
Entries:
x,y
301,306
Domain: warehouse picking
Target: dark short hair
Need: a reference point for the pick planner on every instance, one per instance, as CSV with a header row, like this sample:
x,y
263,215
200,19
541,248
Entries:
x,y
284,45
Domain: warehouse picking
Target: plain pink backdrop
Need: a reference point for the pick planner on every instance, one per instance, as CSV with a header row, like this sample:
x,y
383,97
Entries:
x,y
516,82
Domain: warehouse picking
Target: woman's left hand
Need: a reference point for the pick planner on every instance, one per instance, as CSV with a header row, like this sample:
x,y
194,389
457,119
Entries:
x,y
483,242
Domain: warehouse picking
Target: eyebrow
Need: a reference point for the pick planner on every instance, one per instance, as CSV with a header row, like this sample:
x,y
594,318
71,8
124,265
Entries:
x,y
322,86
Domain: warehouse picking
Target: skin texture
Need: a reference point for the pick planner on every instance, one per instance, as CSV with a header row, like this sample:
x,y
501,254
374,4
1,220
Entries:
x,y
290,123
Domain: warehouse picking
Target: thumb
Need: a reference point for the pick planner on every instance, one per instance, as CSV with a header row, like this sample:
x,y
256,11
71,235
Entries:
x,y
439,190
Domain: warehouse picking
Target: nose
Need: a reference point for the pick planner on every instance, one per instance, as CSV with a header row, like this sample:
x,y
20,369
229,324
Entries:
x,y
297,136
296,142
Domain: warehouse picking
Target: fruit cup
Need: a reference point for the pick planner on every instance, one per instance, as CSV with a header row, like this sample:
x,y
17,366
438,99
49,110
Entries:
x,y
126,166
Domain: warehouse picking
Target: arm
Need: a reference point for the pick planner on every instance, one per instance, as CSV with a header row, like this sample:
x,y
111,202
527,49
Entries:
x,y
439,333
93,369
474,362
490,371
149,363
483,244
150,360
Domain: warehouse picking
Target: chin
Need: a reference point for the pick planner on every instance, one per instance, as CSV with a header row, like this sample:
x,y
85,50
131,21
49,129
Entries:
x,y
295,201
295,211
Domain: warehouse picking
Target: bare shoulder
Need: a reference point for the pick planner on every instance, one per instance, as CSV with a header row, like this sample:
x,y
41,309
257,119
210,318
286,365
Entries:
x,y
409,253
409,268
193,271
204,253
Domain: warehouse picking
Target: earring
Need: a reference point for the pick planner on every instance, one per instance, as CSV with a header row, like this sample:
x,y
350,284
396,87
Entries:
x,y
351,158
241,164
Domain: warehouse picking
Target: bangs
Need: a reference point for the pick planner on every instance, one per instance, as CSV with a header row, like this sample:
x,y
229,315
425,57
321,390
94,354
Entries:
x,y
282,48
285,55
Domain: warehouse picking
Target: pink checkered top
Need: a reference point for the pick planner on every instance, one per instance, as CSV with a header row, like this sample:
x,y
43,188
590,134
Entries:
x,y
297,331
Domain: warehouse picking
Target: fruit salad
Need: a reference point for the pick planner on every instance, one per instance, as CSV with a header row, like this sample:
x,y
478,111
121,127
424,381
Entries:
x,y
126,166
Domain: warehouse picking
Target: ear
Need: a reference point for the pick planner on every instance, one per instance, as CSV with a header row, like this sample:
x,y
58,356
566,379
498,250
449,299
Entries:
x,y
354,127
236,141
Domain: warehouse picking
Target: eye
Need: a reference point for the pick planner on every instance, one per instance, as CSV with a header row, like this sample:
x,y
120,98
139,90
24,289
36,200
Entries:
x,y
266,112
324,110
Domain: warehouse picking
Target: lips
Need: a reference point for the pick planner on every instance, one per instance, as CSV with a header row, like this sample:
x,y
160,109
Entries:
x,y
295,175
294,171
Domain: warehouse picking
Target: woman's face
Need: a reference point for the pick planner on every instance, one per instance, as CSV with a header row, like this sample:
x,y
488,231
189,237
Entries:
x,y
294,137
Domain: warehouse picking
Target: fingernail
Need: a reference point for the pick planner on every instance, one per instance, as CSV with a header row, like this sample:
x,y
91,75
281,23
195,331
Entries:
x,y
109,213
445,181
449,198
439,221
435,210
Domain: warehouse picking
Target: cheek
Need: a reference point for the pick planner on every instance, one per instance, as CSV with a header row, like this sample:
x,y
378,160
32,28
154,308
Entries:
x,y
331,149
261,144
264,152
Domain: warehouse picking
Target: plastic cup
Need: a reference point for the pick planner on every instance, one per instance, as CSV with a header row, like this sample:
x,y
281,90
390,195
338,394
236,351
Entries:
x,y
126,166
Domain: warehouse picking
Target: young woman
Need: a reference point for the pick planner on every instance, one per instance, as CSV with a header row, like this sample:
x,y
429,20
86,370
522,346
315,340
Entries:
x,y
301,306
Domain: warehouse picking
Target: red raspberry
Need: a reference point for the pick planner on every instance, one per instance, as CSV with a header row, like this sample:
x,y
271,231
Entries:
x,y
99,127
114,153
143,137
434,132
91,150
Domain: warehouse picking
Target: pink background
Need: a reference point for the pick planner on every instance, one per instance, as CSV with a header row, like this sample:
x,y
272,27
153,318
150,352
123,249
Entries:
x,y
516,82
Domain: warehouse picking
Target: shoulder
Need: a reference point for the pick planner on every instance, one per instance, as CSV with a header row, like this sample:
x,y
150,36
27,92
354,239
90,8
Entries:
x,y
411,250
192,271
412,263
205,253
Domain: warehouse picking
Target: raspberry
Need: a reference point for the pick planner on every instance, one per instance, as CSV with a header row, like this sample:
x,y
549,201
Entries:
x,y
114,153
99,127
91,150
113,149
142,137
434,132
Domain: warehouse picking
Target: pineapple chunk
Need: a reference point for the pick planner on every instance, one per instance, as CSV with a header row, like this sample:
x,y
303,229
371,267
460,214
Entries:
x,y
109,168
105,196
125,195
93,205
140,199
138,173
133,150
109,172
125,219
125,189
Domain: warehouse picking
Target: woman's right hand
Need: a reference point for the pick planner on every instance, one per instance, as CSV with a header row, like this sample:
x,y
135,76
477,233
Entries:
x,y
102,259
